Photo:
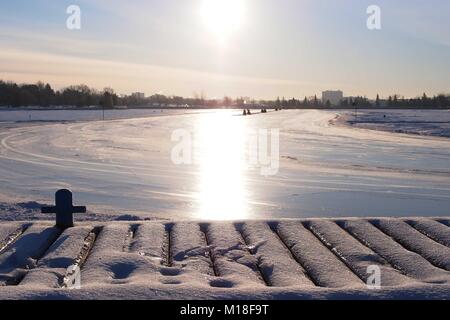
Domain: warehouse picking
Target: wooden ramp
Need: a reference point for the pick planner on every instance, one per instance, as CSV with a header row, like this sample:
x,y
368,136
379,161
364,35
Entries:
x,y
316,258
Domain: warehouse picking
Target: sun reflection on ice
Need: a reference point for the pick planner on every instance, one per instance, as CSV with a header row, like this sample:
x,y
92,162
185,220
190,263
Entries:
x,y
220,153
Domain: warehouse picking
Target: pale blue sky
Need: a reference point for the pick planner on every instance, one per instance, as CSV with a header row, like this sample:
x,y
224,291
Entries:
x,y
282,48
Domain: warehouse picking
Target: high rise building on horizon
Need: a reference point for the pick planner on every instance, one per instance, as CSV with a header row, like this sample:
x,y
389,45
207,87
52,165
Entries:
x,y
333,96
138,95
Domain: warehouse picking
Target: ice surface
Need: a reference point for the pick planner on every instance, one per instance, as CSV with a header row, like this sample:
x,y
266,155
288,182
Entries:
x,y
124,168
419,122
36,116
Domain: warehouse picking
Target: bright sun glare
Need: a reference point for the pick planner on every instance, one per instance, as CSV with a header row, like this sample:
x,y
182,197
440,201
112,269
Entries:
x,y
223,17
221,151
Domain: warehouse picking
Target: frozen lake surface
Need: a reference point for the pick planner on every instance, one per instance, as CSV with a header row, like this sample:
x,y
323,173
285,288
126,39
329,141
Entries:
x,y
124,166
33,115
420,122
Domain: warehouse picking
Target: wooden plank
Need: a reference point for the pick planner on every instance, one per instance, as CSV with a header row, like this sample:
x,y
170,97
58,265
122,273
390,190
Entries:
x,y
107,260
25,252
433,229
148,241
189,248
10,232
355,255
407,261
52,268
413,240
231,256
274,259
321,264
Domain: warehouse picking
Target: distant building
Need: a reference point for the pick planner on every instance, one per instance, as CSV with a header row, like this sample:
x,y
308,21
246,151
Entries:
x,y
138,95
334,97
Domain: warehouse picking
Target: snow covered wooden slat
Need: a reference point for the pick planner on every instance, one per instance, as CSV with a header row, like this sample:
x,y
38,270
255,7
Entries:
x,y
314,257
7,229
9,232
106,254
409,262
189,248
62,253
232,258
149,240
433,229
357,256
322,265
413,240
275,261
25,252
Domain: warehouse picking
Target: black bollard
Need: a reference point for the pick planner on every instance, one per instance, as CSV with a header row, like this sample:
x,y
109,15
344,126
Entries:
x,y
64,209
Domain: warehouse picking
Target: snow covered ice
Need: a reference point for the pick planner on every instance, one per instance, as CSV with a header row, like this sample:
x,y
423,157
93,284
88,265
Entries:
x,y
418,122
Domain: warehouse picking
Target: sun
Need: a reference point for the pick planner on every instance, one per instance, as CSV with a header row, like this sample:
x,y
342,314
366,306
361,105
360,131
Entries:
x,y
223,17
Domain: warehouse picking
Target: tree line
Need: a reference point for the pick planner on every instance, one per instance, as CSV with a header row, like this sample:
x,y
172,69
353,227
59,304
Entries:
x,y
43,95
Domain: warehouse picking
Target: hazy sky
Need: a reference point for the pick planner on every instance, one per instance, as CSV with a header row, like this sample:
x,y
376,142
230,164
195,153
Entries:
x,y
267,48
